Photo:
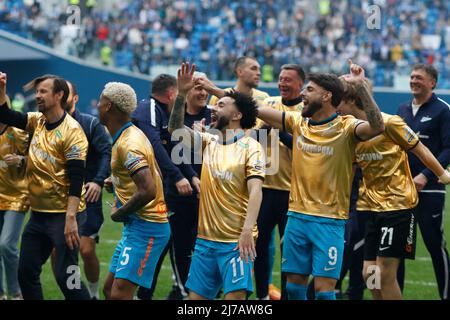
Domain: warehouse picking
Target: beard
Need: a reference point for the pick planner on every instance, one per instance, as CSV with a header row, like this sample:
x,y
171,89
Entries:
x,y
68,105
312,108
221,123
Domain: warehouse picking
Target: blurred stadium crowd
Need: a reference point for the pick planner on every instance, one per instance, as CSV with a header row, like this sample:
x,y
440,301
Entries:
x,y
139,35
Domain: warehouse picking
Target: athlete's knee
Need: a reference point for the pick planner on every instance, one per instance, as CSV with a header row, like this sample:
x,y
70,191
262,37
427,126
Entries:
x,y
324,284
195,296
107,285
122,290
297,278
87,249
236,295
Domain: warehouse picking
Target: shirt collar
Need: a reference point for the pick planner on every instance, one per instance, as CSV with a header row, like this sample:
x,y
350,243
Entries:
x,y
314,123
118,133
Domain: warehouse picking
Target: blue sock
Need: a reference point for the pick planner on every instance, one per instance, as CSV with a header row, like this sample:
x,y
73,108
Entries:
x,y
296,291
330,295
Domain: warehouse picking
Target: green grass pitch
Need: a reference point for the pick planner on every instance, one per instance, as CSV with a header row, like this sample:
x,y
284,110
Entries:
x,y
420,280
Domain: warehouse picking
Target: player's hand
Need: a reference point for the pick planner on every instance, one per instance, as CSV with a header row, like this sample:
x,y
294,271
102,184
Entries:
x,y
93,192
199,126
246,245
3,79
71,232
196,185
115,213
12,159
420,181
108,185
356,75
206,84
185,80
184,187
445,177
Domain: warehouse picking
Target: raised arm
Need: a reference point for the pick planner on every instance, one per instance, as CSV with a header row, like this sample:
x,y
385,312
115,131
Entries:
x,y
8,116
272,117
210,87
185,82
375,124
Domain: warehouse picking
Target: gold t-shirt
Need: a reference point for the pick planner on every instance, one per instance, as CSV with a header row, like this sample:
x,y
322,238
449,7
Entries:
x,y
322,165
13,182
48,182
387,183
131,152
224,193
282,179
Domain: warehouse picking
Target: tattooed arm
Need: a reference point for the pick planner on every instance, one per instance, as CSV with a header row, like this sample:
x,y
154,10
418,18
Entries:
x,y
185,82
375,124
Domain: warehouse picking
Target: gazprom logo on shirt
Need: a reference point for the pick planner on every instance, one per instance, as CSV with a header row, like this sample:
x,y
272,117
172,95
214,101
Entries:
x,y
41,154
223,175
371,156
312,148
132,161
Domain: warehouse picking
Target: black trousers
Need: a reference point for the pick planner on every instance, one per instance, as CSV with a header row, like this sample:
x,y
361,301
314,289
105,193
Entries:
x,y
43,232
184,225
429,215
273,212
354,255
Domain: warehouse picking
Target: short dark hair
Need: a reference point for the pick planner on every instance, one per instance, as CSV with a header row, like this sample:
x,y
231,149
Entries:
x,y
247,106
163,82
59,84
329,82
297,68
429,69
74,88
240,62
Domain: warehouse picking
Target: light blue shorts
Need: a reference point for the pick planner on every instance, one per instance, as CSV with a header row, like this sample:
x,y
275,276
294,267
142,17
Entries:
x,y
313,245
215,265
139,250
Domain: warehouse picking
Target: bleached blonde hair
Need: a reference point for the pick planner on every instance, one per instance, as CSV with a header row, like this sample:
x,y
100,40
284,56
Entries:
x,y
121,95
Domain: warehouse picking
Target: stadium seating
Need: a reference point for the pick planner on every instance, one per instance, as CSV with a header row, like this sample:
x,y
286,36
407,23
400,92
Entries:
x,y
313,33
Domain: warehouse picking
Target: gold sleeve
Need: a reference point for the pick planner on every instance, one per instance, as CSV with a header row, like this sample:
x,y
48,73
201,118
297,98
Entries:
x,y
256,163
133,159
23,140
76,145
291,120
206,138
400,133
32,120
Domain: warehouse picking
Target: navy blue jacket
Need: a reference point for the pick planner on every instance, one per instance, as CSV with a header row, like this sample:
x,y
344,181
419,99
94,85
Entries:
x,y
432,125
152,117
98,162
